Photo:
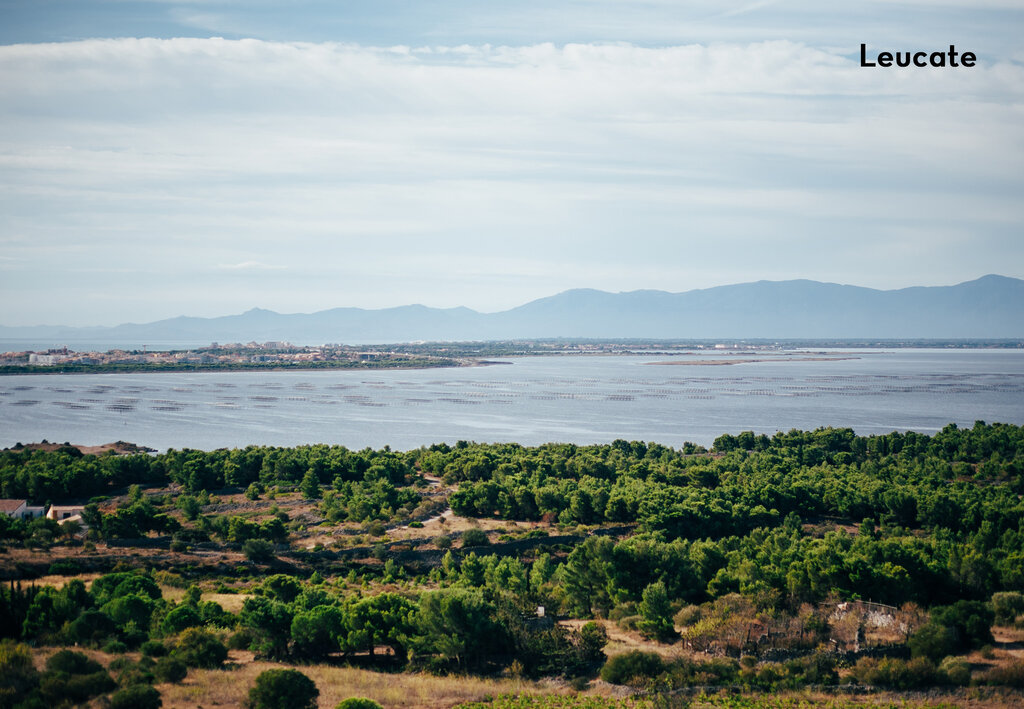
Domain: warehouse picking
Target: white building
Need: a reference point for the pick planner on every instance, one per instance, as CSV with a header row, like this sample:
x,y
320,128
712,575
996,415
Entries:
x,y
20,509
62,513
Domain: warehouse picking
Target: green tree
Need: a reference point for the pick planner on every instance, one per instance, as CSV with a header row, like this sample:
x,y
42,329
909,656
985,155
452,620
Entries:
x,y
383,619
189,506
130,608
586,577
179,618
310,486
656,611
271,623
282,587
318,631
456,629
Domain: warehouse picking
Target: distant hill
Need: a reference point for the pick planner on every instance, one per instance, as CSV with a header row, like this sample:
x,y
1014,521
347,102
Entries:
x,y
991,307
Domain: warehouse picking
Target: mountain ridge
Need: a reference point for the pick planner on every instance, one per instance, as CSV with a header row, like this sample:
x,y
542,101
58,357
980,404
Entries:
x,y
990,307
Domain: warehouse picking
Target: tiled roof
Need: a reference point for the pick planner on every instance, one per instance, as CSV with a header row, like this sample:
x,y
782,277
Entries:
x,y
10,505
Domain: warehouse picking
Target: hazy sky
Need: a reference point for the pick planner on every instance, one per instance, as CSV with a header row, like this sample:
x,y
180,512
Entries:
x,y
160,158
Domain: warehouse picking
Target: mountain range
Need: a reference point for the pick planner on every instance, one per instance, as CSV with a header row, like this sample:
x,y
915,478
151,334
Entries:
x,y
991,307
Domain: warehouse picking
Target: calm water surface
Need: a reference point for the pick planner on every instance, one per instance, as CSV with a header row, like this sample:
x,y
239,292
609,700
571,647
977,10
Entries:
x,y
529,400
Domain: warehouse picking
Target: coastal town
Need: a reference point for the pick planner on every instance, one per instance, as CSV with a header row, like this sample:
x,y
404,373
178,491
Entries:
x,y
280,354
217,356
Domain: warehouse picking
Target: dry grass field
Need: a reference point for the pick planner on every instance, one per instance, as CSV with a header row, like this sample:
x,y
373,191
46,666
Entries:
x,y
58,581
229,688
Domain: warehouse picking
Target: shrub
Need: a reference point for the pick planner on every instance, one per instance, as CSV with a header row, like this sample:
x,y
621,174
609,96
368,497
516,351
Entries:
x,y
688,615
970,622
443,542
933,641
241,639
475,538
715,671
283,689
119,663
358,703
115,647
18,675
634,667
58,687
622,610
258,550
896,674
169,669
629,622
1006,606
153,648
579,684
138,696
72,663
65,567
593,638
956,670
200,648
134,672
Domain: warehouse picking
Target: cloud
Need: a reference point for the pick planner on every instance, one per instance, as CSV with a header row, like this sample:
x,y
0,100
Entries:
x,y
383,173
249,266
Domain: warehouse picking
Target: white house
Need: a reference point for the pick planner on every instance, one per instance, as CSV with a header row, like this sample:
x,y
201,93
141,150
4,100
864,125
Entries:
x,y
20,509
62,513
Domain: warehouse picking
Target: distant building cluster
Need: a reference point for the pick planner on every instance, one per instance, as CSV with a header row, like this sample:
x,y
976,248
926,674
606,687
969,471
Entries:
x,y
20,509
234,353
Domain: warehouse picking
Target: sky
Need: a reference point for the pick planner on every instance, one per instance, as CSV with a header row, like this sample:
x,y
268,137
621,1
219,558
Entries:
x,y
203,157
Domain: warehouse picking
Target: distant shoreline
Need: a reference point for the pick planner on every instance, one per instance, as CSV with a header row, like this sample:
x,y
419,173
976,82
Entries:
x,y
456,355
15,370
723,362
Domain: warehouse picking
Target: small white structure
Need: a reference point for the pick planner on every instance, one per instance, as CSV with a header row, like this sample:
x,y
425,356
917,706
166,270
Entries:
x,y
20,509
62,513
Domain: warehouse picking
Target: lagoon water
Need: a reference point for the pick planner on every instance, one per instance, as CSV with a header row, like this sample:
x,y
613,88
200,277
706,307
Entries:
x,y
531,400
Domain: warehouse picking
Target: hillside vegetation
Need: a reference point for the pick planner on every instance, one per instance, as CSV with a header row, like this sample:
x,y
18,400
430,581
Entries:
x,y
806,559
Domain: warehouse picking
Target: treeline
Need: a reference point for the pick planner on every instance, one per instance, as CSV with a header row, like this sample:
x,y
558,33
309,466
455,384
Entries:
x,y
67,473
956,480
930,519
456,628
937,518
